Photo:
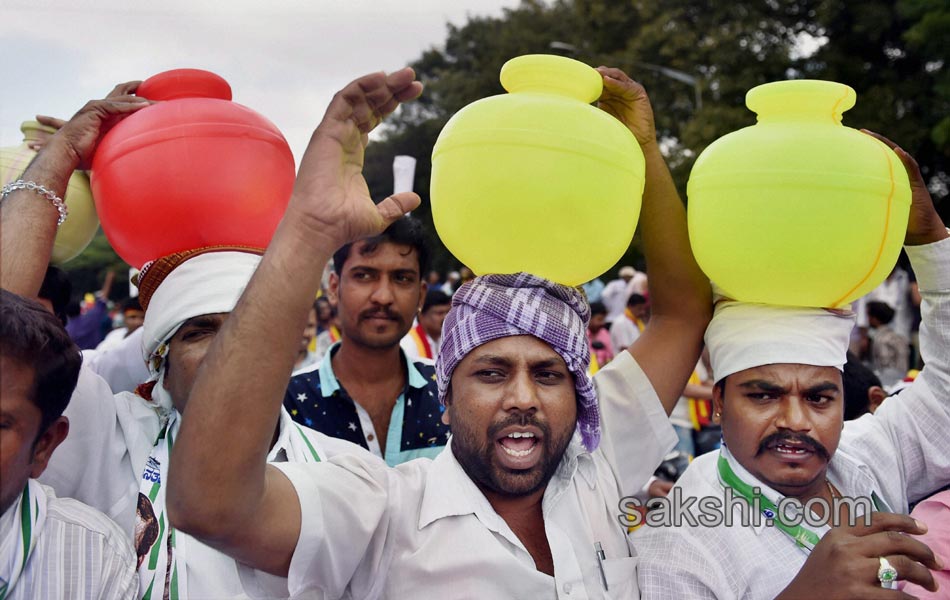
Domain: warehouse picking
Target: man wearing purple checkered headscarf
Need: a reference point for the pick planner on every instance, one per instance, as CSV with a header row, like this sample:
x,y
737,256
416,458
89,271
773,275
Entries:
x,y
497,306
532,502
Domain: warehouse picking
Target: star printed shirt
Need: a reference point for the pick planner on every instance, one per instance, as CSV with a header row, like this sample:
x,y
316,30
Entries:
x,y
316,399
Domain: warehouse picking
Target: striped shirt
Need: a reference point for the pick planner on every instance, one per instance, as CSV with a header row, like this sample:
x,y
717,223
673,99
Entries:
x,y
80,554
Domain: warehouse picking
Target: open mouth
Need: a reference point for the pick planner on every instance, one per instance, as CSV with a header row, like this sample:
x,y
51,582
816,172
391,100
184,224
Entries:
x,y
519,448
519,443
791,450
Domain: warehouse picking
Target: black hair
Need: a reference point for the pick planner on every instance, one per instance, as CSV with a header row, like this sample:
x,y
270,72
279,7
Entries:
x,y
857,379
635,300
57,289
880,311
597,308
435,298
132,304
405,231
73,309
36,338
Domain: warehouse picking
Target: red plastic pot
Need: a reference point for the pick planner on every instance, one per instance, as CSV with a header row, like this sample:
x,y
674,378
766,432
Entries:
x,y
192,170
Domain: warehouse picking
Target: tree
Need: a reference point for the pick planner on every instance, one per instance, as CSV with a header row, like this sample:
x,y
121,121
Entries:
x,y
892,52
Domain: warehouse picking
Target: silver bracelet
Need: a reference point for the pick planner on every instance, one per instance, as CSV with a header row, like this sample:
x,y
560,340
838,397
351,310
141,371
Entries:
x,y
19,184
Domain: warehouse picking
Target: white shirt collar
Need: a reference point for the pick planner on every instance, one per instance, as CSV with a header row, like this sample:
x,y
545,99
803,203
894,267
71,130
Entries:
x,y
449,491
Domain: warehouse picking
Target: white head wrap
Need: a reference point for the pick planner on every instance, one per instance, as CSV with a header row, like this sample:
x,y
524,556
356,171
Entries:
x,y
204,284
742,336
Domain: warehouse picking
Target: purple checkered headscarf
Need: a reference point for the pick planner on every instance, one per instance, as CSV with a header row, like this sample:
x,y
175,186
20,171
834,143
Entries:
x,y
497,306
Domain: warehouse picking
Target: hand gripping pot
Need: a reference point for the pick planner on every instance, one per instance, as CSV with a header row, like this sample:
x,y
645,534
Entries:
x,y
80,227
798,209
192,170
538,180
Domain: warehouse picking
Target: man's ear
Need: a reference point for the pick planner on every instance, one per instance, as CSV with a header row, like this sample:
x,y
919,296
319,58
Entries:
x,y
424,289
333,288
876,396
46,444
718,403
448,402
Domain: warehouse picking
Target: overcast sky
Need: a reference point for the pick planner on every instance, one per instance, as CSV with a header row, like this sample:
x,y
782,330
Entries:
x,y
283,58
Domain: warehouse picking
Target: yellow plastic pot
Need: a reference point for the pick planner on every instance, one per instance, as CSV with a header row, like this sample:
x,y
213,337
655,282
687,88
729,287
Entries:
x,y
538,180
81,225
798,209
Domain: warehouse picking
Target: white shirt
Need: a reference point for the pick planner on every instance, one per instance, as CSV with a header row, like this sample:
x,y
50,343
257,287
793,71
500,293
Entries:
x,y
79,555
614,297
424,530
901,452
112,338
122,364
104,456
623,333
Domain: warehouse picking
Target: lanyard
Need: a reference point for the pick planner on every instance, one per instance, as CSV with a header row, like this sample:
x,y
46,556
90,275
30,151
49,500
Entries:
x,y
805,538
32,514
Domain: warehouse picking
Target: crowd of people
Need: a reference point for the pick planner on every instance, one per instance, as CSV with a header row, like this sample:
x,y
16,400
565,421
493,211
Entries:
x,y
374,430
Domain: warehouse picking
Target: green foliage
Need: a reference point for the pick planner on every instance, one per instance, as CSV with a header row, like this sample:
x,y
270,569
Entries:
x,y
87,271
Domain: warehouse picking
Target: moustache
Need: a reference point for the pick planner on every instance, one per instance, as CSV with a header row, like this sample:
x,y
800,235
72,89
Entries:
x,y
383,313
807,442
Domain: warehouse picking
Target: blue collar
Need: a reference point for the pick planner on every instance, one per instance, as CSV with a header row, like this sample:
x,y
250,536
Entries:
x,y
330,384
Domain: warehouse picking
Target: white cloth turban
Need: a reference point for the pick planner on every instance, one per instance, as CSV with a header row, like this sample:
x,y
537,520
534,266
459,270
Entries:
x,y
742,336
203,284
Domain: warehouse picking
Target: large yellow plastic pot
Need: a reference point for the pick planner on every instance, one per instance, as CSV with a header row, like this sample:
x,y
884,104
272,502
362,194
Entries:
x,y
81,225
798,209
538,180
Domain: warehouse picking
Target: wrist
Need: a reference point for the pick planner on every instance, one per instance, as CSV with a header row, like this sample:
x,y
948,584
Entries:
x,y
53,166
938,231
308,236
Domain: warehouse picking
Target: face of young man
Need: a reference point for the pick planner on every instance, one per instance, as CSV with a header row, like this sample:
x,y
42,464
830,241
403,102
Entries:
x,y
597,322
324,311
378,294
23,453
640,311
133,319
783,422
308,334
186,351
433,318
513,411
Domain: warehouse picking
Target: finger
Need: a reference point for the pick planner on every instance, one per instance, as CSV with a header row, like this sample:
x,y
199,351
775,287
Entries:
x,y
50,121
885,543
879,593
910,165
397,205
613,73
403,84
124,89
913,571
410,92
885,521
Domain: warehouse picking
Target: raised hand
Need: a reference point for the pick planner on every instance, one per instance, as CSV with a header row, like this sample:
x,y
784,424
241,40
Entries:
x,y
78,136
924,225
845,563
627,100
331,196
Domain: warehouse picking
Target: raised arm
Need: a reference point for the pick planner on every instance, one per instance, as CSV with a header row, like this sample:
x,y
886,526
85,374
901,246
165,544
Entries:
x,y
680,294
220,487
27,219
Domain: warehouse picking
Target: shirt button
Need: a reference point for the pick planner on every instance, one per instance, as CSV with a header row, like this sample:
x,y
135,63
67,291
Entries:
x,y
370,437
567,588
